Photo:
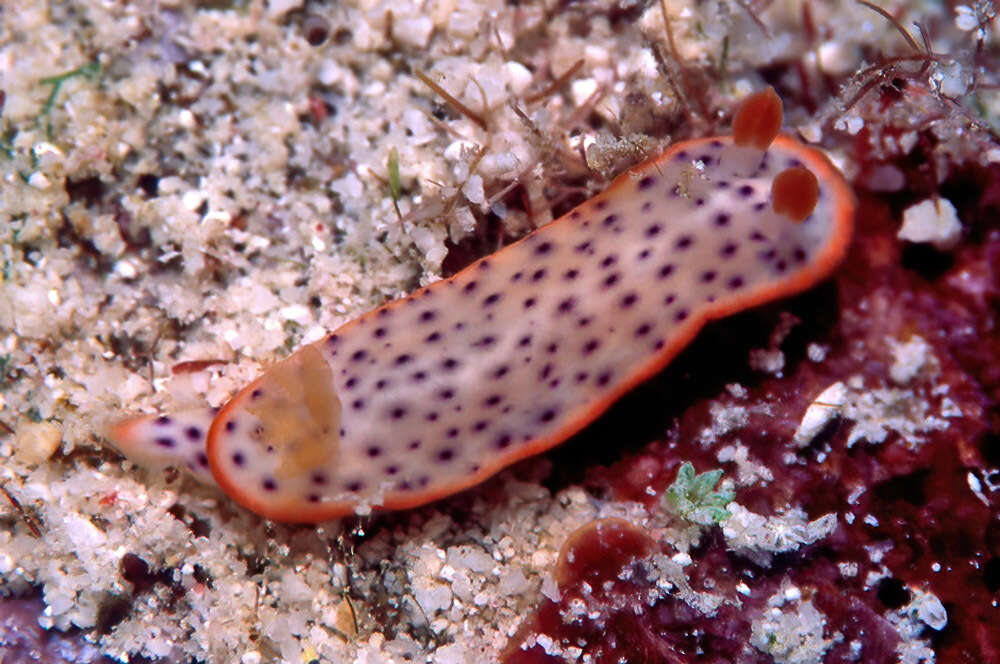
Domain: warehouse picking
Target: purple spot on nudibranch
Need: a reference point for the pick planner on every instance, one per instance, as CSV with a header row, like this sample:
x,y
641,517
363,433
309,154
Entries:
x,y
202,459
354,486
722,219
231,426
269,484
571,274
683,242
380,331
373,451
666,271
428,316
728,249
746,191
538,275
708,276
238,458
491,299
735,282
567,305
433,337
492,400
359,355
163,421
647,182
165,442
629,299
319,479
193,434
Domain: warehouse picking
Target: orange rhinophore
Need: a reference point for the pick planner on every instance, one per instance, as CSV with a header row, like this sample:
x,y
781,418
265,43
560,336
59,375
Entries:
x,y
795,192
435,392
758,121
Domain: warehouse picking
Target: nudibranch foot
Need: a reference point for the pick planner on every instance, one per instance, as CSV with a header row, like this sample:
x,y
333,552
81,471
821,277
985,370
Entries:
x,y
433,393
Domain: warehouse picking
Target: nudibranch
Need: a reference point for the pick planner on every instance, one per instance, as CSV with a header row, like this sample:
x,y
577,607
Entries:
x,y
435,392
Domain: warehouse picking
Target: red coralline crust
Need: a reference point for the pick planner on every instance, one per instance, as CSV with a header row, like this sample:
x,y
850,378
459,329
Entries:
x,y
927,516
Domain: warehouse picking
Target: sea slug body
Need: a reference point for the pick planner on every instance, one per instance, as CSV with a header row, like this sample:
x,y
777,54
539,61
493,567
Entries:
x,y
435,392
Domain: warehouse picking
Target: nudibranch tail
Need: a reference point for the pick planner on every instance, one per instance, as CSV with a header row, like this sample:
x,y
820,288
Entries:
x,y
433,393
158,441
